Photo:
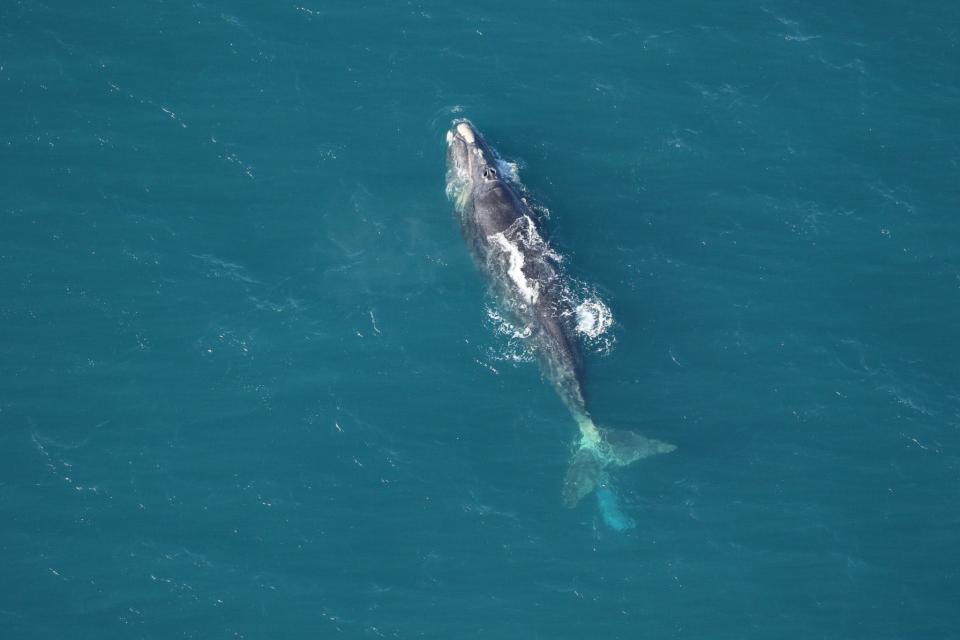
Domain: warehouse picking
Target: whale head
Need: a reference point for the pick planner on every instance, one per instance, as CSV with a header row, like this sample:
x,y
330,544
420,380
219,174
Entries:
x,y
471,163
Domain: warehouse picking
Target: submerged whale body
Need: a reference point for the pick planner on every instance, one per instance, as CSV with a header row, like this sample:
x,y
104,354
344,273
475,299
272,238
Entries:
x,y
505,240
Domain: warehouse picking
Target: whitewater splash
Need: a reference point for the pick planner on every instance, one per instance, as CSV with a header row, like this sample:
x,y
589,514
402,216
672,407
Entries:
x,y
594,318
592,321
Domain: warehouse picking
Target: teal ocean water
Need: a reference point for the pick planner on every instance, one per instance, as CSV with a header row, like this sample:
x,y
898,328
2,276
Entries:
x,y
252,385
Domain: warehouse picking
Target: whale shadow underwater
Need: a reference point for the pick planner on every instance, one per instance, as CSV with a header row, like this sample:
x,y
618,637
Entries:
x,y
506,242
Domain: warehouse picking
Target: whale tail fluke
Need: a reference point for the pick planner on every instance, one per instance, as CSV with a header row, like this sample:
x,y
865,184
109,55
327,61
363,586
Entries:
x,y
599,449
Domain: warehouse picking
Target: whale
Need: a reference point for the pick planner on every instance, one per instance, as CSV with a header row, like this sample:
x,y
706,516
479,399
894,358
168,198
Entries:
x,y
503,232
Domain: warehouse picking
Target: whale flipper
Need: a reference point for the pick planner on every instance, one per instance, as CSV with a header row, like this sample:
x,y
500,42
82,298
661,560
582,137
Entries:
x,y
599,449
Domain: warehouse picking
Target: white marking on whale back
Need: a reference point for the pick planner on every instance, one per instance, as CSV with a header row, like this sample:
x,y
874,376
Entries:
x,y
529,291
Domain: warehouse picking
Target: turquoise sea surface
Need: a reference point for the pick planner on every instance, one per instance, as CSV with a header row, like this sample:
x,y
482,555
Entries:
x,y
252,385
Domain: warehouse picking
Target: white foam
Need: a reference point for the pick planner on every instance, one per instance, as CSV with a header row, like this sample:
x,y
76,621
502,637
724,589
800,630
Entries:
x,y
509,170
517,348
529,291
506,327
594,318
458,188
524,232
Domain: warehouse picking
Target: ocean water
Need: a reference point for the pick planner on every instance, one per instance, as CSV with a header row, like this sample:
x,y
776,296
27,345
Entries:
x,y
252,386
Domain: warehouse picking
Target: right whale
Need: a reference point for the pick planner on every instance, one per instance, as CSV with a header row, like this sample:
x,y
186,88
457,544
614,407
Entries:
x,y
505,240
